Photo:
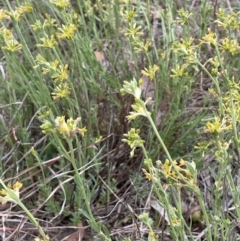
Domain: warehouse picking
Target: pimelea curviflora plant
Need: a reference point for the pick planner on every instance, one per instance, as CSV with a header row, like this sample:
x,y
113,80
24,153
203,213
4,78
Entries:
x,y
178,174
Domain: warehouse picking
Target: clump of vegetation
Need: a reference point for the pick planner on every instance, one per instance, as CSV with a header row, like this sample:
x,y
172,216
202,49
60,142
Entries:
x,y
119,119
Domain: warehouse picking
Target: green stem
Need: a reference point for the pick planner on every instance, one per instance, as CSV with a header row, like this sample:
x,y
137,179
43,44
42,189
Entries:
x,y
159,137
205,215
80,185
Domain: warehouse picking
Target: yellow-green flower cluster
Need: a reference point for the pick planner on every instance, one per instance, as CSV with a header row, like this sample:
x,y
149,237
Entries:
x,y
67,31
48,42
132,88
133,139
59,73
129,15
209,38
61,3
61,91
229,45
139,107
67,128
216,64
6,195
10,44
228,21
134,32
21,10
150,72
218,125
179,71
4,14
203,146
142,46
179,172
231,100
185,47
183,16
48,22
17,13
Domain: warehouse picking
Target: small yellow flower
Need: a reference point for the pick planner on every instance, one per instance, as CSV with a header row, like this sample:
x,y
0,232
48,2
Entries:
x,y
61,3
15,15
69,128
26,8
152,234
49,22
61,91
12,45
17,186
54,64
20,11
167,168
129,15
209,38
48,42
98,139
150,72
3,192
47,127
228,21
134,31
217,126
139,109
179,72
212,92
4,14
67,31
6,34
133,139
61,73
37,25
185,47
141,47
40,59
182,163
230,46
147,175
61,124
176,222
183,16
